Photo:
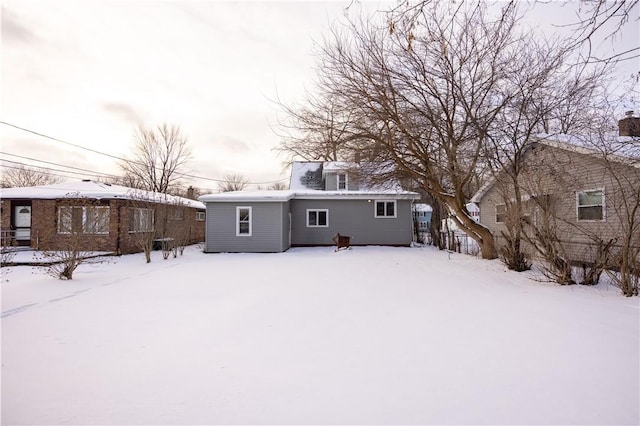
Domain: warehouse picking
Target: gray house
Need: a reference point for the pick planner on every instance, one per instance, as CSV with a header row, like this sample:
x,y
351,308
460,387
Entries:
x,y
325,198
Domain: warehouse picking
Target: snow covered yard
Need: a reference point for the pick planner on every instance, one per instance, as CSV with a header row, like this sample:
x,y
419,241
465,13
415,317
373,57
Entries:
x,y
372,335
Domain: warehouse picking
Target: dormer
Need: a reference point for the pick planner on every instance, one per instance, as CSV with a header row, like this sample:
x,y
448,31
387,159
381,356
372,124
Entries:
x,y
340,176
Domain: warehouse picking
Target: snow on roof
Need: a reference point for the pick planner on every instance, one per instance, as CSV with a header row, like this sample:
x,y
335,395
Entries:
x,y
279,196
338,166
422,207
93,190
567,143
300,169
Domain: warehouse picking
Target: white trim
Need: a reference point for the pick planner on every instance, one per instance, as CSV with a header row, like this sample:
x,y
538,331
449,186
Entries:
x,y
346,181
603,205
385,216
200,216
238,208
326,211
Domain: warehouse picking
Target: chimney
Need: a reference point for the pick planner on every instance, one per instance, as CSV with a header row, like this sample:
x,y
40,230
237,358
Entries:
x,y
190,193
629,125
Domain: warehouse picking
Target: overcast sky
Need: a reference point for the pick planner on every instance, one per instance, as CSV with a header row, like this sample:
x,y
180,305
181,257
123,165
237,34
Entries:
x,y
88,72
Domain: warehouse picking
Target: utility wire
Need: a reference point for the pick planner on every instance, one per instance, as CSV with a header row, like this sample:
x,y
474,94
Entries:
x,y
121,158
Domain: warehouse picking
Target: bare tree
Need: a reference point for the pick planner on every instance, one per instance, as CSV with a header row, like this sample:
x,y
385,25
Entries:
x,y
159,158
277,186
79,222
423,95
25,176
233,182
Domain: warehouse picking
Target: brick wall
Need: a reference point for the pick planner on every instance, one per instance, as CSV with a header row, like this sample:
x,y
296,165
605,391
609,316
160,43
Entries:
x,y
119,239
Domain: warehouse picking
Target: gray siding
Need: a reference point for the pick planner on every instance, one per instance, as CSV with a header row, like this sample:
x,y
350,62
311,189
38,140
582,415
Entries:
x,y
331,182
268,230
355,218
561,174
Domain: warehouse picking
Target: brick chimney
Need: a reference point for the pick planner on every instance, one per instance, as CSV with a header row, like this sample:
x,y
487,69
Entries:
x,y
191,193
629,125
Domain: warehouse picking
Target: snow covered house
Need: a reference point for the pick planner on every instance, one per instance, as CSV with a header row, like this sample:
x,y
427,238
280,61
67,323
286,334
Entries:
x,y
324,198
575,191
104,217
422,216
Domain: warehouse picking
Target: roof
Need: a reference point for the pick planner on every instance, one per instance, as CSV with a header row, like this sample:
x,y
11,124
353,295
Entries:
x,y
281,196
307,175
93,190
422,207
567,143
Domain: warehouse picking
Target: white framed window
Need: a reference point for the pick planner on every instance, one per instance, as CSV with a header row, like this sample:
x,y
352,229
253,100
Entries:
x,y
141,220
200,216
590,205
85,219
501,212
342,181
317,218
243,221
385,208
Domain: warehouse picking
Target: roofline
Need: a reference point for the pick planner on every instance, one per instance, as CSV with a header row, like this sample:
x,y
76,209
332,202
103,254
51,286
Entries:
x,y
544,140
306,195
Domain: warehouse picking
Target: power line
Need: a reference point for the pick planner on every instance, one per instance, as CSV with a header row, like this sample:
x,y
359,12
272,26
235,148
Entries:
x,y
92,172
121,158
5,166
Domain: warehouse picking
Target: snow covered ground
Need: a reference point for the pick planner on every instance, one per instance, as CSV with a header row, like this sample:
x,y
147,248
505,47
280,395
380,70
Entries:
x,y
372,335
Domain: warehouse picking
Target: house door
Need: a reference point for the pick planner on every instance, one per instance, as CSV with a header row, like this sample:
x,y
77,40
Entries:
x,y
22,222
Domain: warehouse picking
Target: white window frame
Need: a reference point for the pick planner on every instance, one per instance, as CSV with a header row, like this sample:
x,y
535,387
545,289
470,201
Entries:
x,y
200,216
602,206
326,211
250,221
138,220
385,216
346,181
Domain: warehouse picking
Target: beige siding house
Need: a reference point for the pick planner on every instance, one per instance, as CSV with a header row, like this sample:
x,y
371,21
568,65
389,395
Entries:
x,y
585,196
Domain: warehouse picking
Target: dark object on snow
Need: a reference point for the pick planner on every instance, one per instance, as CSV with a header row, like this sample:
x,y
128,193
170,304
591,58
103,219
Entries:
x,y
341,241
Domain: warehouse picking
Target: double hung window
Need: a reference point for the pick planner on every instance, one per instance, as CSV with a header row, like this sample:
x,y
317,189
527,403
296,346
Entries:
x,y
385,208
243,221
317,218
590,205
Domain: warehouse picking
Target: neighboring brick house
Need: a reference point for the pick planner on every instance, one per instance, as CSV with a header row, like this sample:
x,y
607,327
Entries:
x,y
102,216
589,197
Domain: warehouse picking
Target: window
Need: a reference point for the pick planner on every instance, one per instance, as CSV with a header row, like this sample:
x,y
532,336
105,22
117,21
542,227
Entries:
x,y
200,216
317,218
65,218
176,213
243,221
385,209
590,205
86,220
342,181
501,212
95,220
141,220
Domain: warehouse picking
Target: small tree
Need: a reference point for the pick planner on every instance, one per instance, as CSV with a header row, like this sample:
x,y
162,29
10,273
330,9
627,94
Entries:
x,y
79,222
20,175
142,219
233,182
